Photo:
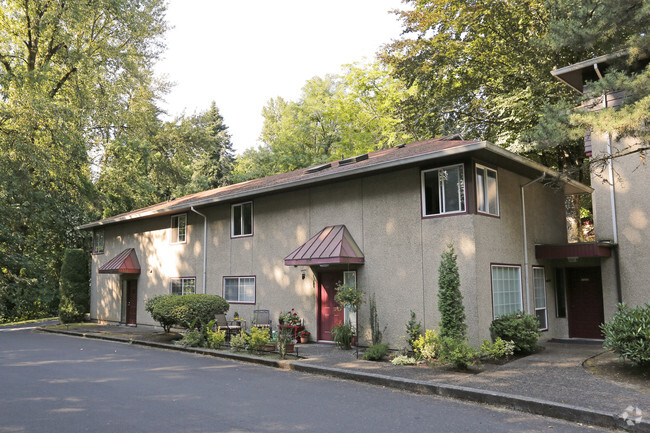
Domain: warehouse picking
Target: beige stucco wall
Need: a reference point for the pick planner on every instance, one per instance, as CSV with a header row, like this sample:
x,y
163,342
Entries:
x,y
382,212
631,185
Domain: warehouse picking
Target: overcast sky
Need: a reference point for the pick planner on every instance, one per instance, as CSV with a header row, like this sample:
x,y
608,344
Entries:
x,y
240,54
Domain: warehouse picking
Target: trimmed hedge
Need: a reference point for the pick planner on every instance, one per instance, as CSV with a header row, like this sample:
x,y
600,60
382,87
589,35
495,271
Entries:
x,y
522,329
628,334
186,310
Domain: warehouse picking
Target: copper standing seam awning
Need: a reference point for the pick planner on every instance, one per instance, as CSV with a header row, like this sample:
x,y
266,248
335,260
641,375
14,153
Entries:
x,y
125,262
332,245
573,250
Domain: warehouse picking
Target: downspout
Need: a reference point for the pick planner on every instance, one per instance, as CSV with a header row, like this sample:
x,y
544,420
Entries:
x,y
205,245
525,237
612,199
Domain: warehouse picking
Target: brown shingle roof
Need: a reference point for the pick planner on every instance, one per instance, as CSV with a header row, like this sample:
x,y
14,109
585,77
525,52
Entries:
x,y
386,159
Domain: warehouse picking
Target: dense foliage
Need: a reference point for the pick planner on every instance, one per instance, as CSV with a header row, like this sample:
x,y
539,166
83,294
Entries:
x,y
457,352
185,311
628,334
520,328
450,300
343,335
74,286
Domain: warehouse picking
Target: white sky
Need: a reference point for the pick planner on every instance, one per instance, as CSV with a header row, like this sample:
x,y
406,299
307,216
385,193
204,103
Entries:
x,y
240,54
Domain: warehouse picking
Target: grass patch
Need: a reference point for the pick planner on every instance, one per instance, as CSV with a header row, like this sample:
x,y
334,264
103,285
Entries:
x,y
23,322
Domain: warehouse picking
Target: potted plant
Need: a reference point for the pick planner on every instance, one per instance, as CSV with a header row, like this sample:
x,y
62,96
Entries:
x,y
304,337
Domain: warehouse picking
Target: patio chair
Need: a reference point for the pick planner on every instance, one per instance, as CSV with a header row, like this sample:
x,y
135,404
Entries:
x,y
262,319
227,325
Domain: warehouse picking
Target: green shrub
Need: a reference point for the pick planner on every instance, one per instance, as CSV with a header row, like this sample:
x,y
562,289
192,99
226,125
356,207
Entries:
x,y
426,347
68,312
404,360
175,310
343,335
450,300
257,338
375,352
215,339
74,286
238,342
192,338
284,337
375,333
413,331
628,334
520,328
457,352
497,350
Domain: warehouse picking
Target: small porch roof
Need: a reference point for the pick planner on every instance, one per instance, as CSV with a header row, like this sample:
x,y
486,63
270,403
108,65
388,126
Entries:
x,y
577,250
332,245
125,262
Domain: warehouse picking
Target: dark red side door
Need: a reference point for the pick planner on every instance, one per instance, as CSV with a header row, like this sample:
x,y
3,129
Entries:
x,y
328,313
585,297
131,301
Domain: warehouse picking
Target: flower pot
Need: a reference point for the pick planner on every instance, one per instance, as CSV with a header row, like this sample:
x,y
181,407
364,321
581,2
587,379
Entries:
x,y
269,347
304,339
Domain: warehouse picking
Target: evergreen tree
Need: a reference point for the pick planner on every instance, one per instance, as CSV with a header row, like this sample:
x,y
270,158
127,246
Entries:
x,y
74,286
450,300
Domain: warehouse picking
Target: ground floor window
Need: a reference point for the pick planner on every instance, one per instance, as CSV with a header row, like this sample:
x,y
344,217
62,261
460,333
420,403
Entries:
x,y
506,289
539,285
183,286
239,289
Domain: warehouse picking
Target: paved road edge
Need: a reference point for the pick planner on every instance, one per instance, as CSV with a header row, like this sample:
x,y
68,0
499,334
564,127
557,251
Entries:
x,y
487,397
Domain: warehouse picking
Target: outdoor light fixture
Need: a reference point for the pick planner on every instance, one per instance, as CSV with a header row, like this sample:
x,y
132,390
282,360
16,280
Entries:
x,y
303,272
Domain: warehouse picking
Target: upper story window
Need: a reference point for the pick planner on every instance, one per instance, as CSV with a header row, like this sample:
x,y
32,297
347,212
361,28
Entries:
x,y
487,190
241,219
443,190
183,286
179,228
98,241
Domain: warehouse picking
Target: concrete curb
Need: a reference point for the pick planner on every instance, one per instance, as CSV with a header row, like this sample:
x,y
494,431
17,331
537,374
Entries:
x,y
487,397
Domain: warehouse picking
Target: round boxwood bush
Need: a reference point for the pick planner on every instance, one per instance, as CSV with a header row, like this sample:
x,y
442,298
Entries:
x,y
522,329
628,334
186,310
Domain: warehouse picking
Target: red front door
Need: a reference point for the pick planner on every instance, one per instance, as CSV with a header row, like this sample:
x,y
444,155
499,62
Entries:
x,y
585,297
328,313
131,301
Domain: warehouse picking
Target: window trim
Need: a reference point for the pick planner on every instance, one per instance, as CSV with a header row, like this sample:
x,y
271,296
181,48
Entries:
x,y
423,204
521,287
545,308
241,222
239,278
171,285
485,169
95,250
171,228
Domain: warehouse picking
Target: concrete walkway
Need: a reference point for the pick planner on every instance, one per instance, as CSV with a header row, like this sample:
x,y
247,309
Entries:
x,y
551,382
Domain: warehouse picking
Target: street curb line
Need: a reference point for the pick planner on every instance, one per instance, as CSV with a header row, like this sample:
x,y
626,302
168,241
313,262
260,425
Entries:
x,y
492,398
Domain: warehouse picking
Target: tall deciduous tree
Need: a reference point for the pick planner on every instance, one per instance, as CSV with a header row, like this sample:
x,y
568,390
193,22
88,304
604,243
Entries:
x,y
66,71
335,117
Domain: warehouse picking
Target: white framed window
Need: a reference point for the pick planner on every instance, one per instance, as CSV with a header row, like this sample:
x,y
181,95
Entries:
x,y
506,289
98,241
487,190
241,219
539,286
443,190
239,289
183,286
350,279
179,228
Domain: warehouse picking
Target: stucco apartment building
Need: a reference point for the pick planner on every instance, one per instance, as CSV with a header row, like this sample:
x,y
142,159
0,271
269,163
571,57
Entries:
x,y
379,220
616,268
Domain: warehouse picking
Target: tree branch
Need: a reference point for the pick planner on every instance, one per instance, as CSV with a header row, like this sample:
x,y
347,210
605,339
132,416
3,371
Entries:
x,y
62,81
